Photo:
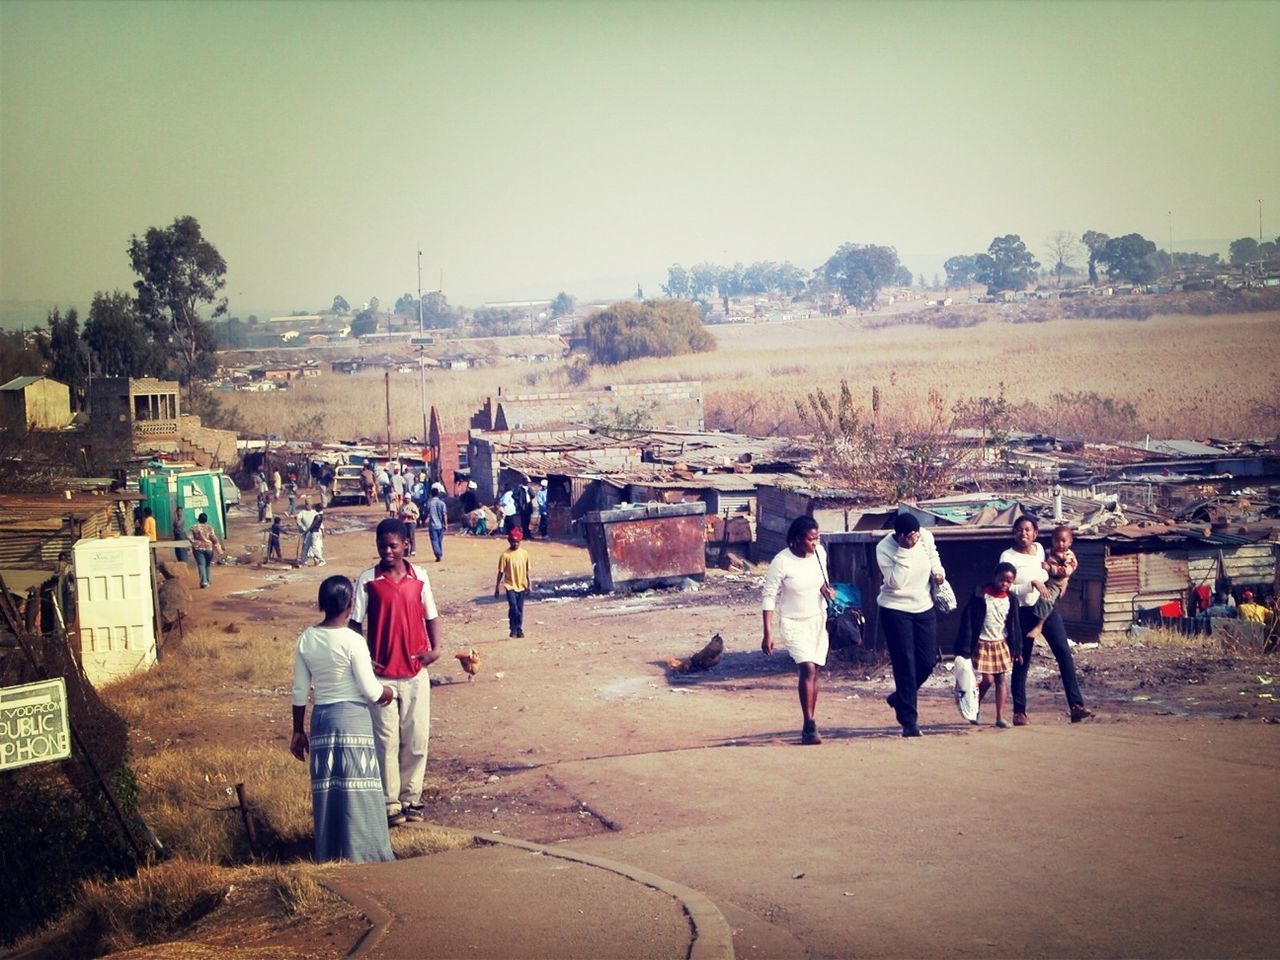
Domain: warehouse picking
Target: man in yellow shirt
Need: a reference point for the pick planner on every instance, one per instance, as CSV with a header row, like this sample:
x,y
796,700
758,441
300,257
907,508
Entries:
x,y
513,574
148,524
1248,610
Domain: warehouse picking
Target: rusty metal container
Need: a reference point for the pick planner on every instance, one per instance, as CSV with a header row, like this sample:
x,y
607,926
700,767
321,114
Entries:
x,y
649,545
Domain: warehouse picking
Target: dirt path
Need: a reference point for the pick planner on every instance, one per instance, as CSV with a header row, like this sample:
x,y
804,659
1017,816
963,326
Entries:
x,y
1146,832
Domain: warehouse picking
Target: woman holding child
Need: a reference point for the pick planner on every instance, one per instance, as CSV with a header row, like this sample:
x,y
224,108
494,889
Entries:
x,y
1039,579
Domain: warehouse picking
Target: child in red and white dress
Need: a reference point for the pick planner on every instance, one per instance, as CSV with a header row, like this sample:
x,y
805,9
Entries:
x,y
989,630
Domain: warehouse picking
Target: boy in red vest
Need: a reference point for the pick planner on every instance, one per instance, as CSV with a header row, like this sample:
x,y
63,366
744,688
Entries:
x,y
396,612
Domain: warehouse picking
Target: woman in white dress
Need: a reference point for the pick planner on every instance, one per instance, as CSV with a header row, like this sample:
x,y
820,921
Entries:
x,y
796,588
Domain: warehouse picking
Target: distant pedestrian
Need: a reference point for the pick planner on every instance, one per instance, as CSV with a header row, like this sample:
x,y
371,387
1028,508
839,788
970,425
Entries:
x,y
514,576
524,497
291,491
437,521
346,794
506,508
304,518
273,540
277,484
796,593
409,514
542,510
204,543
179,533
148,525
262,507
315,543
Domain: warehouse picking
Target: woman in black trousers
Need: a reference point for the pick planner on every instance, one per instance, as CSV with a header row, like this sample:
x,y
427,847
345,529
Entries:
x,y
1027,557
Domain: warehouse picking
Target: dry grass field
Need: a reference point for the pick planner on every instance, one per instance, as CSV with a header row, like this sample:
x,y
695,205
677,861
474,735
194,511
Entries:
x,y
1185,376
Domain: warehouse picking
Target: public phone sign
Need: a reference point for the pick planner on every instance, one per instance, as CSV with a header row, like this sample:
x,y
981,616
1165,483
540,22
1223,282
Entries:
x,y
33,724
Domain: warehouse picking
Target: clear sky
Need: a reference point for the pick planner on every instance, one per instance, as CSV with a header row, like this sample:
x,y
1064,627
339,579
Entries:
x,y
533,147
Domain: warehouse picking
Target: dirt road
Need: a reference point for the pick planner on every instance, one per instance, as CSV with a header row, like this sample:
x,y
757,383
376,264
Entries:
x,y
1146,832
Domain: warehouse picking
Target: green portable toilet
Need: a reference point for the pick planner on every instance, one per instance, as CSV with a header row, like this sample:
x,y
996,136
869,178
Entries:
x,y
161,492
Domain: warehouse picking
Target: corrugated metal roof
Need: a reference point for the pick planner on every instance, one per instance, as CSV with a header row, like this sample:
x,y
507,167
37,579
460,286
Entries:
x,y
1180,448
17,383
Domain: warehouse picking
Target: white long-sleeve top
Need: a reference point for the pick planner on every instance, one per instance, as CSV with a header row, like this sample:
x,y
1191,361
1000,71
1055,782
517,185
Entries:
x,y
905,573
335,661
793,585
1030,567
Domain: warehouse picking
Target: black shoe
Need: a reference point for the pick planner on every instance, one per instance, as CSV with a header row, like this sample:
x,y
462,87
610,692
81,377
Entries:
x,y
912,731
519,634
892,700
809,734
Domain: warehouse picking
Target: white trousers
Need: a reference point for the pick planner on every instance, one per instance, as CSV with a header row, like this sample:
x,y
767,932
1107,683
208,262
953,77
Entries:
x,y
401,730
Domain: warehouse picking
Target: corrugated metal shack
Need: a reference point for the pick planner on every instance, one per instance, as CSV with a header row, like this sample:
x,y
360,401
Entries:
x,y
36,536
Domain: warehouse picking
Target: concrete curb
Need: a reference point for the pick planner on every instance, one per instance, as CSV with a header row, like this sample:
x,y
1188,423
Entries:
x,y
712,935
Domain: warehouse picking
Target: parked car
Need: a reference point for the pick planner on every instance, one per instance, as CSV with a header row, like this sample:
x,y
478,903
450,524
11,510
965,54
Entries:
x,y
230,492
346,484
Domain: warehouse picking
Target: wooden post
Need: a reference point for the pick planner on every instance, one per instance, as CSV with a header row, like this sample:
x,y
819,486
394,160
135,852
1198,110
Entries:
x,y
246,816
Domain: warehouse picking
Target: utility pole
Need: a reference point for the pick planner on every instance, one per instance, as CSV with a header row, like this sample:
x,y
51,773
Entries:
x,y
387,380
422,356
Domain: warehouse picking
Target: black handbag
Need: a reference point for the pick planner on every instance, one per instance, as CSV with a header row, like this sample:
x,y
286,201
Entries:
x,y
844,623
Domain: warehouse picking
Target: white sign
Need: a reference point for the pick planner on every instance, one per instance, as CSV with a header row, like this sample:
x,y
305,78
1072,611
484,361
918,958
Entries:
x,y
194,497
33,724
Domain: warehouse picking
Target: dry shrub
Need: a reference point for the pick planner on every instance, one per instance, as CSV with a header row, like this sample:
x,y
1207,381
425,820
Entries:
x,y
151,906
188,797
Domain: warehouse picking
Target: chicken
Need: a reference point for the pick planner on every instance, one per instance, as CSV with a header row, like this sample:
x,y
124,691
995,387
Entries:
x,y
470,663
704,659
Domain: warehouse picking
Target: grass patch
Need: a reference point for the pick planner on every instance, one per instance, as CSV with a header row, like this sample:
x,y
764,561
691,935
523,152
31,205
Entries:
x,y
296,890
188,797
426,839
151,906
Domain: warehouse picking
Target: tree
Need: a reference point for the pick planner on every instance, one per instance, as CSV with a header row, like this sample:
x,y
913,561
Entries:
x,y
703,278
1131,259
654,328
1242,251
18,356
961,270
858,271
788,279
902,277
1008,266
406,306
66,352
118,338
179,271
677,284
363,323
1094,242
436,312
340,305
1063,247
920,281
496,322
562,305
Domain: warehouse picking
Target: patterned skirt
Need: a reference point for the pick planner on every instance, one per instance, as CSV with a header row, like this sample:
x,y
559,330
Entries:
x,y
346,786
993,657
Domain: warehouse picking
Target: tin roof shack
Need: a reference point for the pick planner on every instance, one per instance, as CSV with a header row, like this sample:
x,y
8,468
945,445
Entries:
x,y
34,403
635,548
488,454
777,506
